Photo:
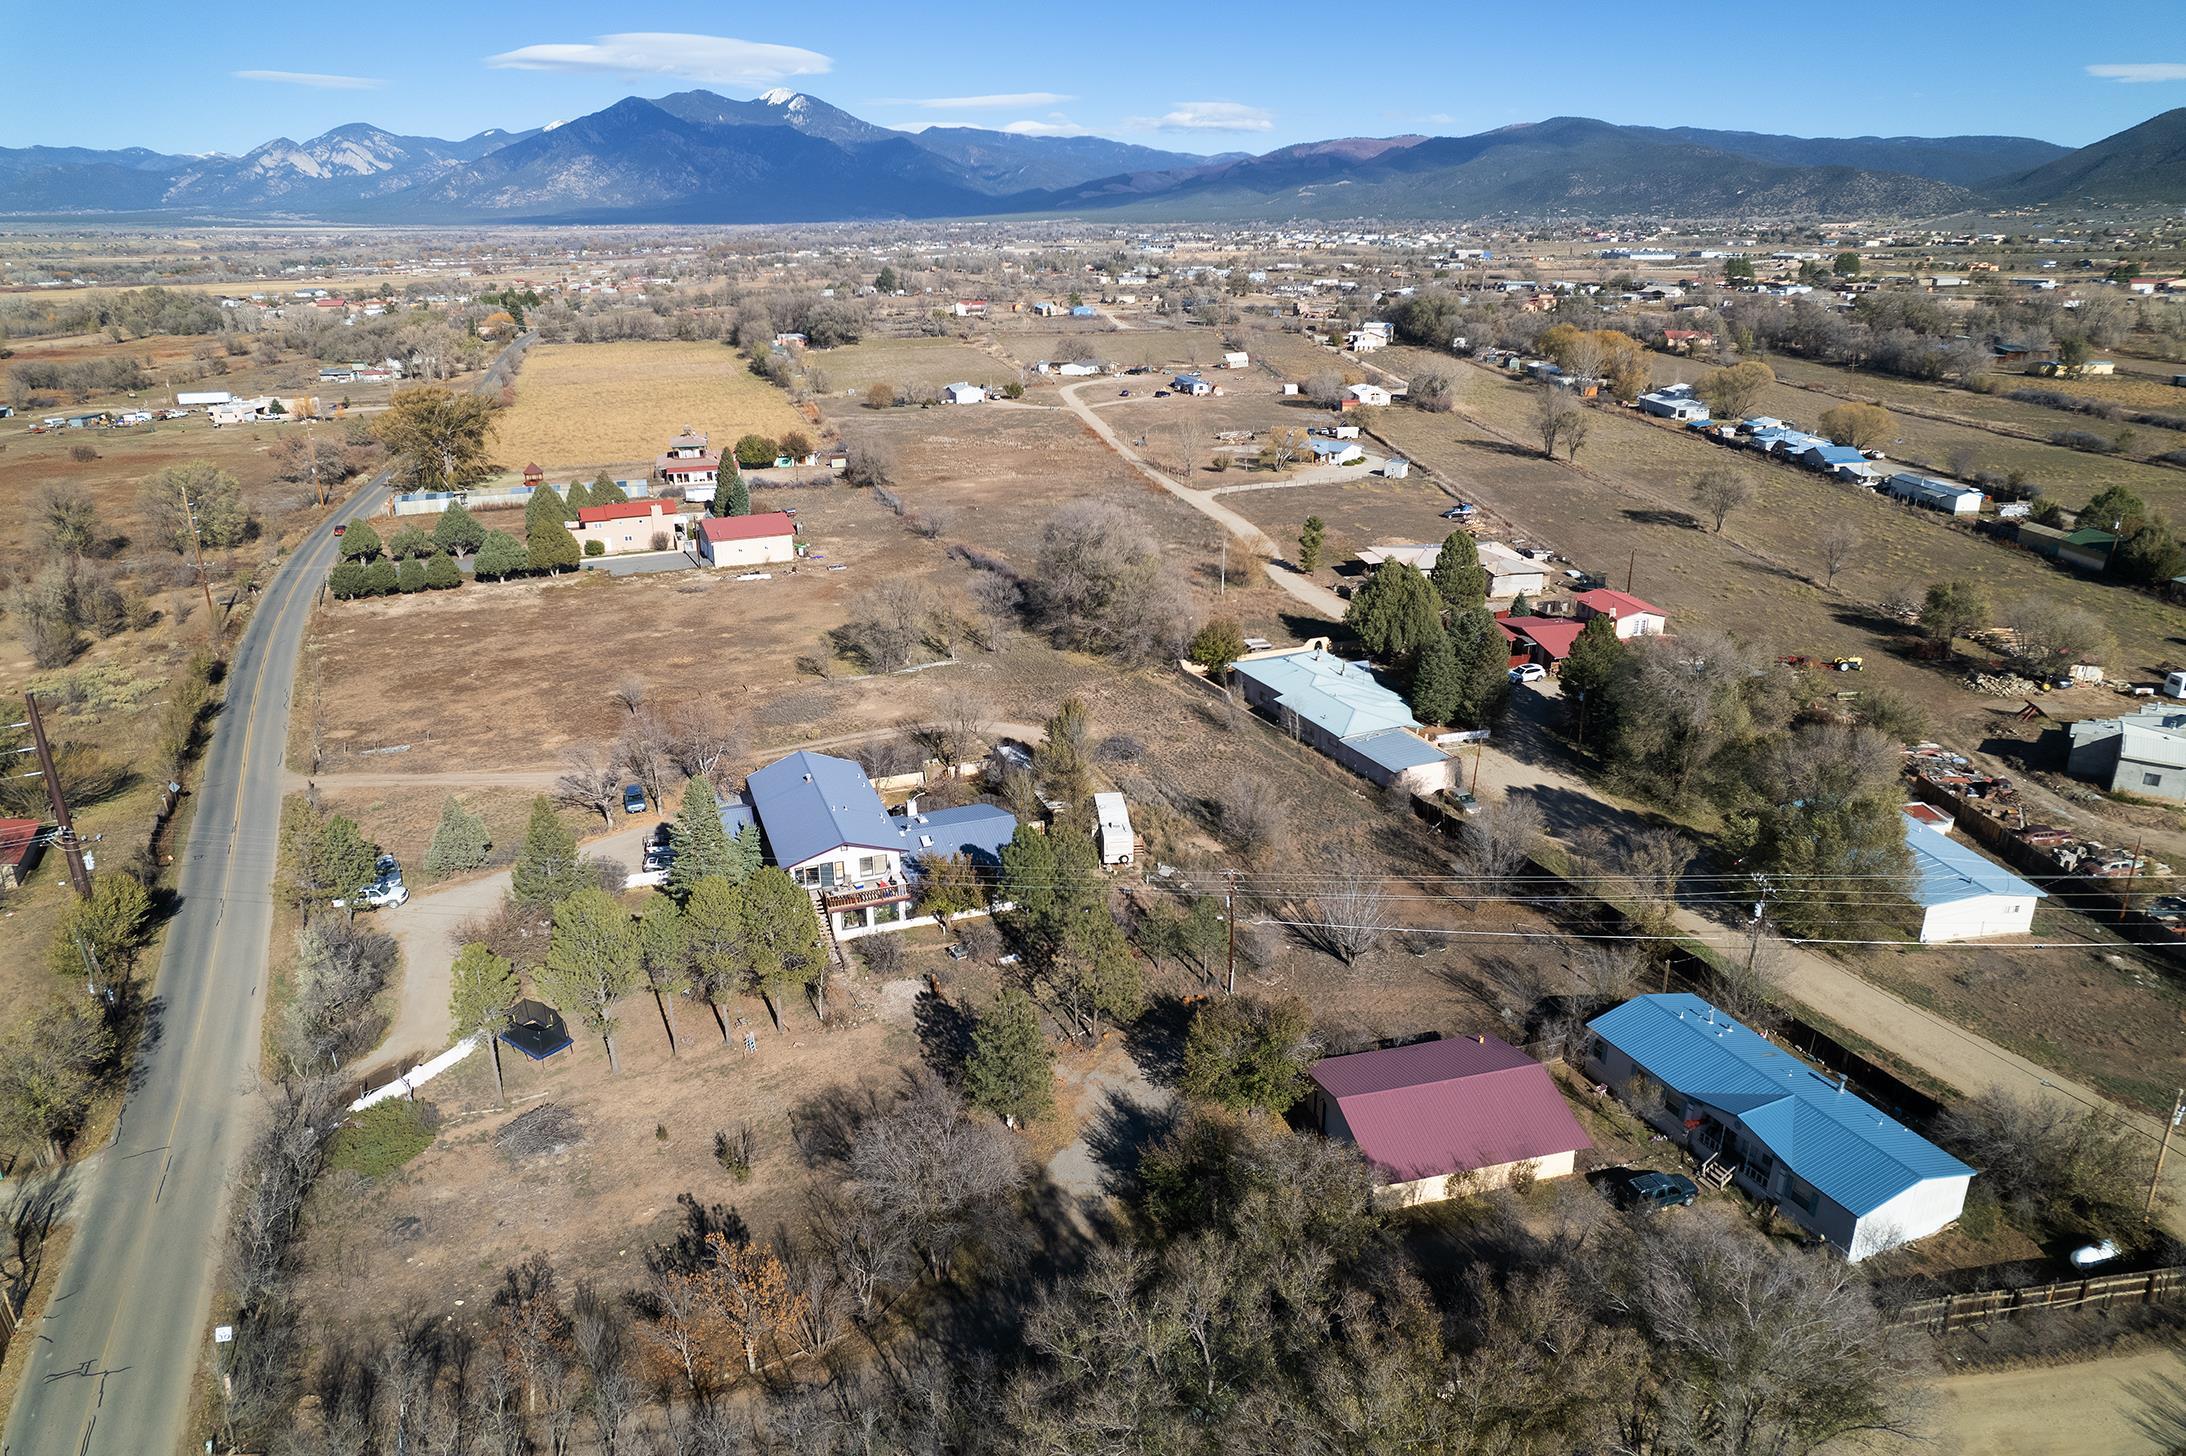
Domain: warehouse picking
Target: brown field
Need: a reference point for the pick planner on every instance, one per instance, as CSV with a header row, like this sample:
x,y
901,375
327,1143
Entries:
x,y
916,364
581,405
1629,506
602,1205
2070,476
1118,348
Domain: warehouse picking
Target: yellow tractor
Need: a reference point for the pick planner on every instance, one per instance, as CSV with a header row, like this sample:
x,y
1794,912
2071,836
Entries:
x,y
1849,664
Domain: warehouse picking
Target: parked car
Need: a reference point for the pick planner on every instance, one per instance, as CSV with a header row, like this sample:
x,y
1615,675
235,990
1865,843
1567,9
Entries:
x,y
633,798
2087,1256
1466,803
1645,1189
657,853
1123,394
1161,394
341,528
386,888
1459,512
1531,672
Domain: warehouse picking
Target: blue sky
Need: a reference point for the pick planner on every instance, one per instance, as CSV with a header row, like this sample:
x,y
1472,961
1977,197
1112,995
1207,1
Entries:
x,y
1201,79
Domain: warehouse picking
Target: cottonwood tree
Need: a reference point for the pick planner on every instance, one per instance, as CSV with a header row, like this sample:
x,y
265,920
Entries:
x,y
2049,638
194,492
439,438
2063,1170
1719,492
1502,839
1555,416
1284,448
747,1290
590,782
592,962
340,968
101,934
1862,426
1839,544
891,622
1102,583
939,1173
702,736
482,990
53,1063
1732,392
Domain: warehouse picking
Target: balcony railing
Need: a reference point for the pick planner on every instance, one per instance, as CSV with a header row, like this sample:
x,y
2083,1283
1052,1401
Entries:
x,y
863,893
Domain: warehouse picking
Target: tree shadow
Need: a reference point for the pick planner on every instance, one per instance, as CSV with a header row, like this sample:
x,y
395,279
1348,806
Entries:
x,y
686,1249
1656,516
1120,1132
944,1035
824,1124
1505,447
1156,1039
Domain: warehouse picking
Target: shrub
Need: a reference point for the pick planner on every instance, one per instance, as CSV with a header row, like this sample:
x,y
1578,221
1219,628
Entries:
x,y
380,579
735,1152
2086,440
595,548
441,573
348,580
82,454
382,1138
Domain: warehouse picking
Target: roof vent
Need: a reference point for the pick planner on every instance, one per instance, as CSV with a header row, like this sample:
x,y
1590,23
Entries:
x,y
1479,1039
1840,1083
808,778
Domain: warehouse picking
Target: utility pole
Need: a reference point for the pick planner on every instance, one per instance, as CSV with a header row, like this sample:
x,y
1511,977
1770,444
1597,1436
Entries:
x,y
197,554
2132,868
1229,919
1630,562
77,874
2178,1112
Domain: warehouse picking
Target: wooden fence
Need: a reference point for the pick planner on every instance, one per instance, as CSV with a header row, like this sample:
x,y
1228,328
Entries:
x,y
1961,1311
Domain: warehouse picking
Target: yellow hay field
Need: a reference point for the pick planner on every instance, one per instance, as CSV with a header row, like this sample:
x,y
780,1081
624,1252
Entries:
x,y
581,405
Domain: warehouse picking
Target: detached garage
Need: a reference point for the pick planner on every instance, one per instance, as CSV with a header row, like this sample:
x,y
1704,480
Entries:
x,y
747,540
1963,895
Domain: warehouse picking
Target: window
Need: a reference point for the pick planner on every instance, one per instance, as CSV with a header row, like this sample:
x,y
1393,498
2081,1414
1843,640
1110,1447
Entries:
x,y
2150,780
1800,1194
871,864
887,914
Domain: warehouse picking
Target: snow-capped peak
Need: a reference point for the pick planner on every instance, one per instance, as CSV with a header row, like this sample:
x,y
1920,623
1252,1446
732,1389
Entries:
x,y
780,96
554,125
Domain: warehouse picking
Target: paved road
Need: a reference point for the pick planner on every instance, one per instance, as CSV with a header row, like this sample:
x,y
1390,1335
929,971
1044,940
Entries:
x,y
119,1347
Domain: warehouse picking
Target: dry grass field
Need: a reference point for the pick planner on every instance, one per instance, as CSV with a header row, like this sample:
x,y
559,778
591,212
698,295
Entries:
x,y
2070,476
582,405
1628,506
919,364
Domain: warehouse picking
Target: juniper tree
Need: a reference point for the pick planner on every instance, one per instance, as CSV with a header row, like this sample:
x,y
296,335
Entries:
x,y
592,962
546,870
459,842
482,987
1011,1070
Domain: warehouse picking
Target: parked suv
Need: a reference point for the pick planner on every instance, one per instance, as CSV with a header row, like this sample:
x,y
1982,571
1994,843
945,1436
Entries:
x,y
386,888
633,798
1647,1190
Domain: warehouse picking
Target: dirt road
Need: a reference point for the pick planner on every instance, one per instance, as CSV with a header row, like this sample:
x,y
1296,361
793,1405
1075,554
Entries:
x,y
1308,592
2073,1410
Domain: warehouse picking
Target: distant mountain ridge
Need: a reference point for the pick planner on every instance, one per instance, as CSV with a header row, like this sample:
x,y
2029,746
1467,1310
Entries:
x,y
786,156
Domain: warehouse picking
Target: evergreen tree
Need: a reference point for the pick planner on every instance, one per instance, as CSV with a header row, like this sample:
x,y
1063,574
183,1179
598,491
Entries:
x,y
746,854
547,504
664,953
458,532
380,579
1310,542
360,542
410,576
459,843
1011,1070
1459,578
1482,658
348,579
732,497
605,492
1596,655
1028,877
1394,613
501,556
109,926
592,962
1521,605
482,987
342,861
700,845
410,541
1092,969
442,574
550,547
1436,690
713,937
1248,1055
546,869
781,940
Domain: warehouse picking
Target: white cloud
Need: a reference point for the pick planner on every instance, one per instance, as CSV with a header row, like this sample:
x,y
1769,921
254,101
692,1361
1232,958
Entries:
x,y
715,59
1207,116
2141,71
1056,125
1000,101
313,79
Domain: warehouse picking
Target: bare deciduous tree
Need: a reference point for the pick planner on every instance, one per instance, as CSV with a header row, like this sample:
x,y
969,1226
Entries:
x,y
1719,492
1839,544
1501,840
591,782
1350,915
934,1169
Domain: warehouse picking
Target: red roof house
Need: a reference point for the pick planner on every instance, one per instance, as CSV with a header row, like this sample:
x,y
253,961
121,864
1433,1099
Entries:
x,y
747,540
650,524
1437,1116
1634,618
1550,637
18,850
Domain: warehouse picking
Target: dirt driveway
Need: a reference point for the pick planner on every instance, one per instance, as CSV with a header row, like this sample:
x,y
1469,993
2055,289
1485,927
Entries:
x,y
2075,1410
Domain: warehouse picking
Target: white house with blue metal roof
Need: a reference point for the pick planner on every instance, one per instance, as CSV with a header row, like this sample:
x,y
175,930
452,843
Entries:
x,y
823,823
1963,894
1343,710
1783,1131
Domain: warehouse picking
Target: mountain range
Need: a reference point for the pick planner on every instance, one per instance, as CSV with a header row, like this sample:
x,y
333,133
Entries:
x,y
784,156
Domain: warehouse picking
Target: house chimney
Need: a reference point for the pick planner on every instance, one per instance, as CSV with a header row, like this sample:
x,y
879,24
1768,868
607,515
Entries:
x,y
910,807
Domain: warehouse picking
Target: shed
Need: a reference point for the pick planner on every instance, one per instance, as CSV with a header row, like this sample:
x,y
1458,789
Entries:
x,y
1962,894
770,536
962,393
1439,1118
19,844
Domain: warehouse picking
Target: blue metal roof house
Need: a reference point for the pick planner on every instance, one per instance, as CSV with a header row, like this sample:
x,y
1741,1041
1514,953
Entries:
x,y
1343,710
824,824
1962,894
1831,1161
